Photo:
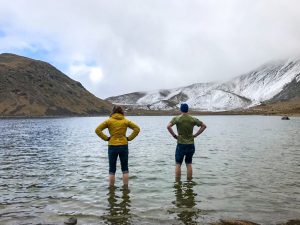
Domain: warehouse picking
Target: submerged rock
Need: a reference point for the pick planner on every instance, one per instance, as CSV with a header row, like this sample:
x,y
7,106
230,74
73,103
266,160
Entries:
x,y
293,222
71,221
245,222
235,222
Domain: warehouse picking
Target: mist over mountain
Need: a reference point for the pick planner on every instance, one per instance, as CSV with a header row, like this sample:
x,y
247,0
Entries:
x,y
35,88
271,82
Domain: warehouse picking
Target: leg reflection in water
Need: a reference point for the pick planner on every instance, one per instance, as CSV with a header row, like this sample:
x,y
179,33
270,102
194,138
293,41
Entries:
x,y
118,206
185,202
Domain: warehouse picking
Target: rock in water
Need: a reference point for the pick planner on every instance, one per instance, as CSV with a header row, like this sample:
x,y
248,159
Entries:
x,y
71,221
293,222
236,222
285,118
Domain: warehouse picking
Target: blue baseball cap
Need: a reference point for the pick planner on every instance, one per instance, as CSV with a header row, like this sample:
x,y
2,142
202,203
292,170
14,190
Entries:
x,y
184,108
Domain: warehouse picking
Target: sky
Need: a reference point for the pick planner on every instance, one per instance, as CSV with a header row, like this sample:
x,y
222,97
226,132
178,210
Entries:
x,y
115,47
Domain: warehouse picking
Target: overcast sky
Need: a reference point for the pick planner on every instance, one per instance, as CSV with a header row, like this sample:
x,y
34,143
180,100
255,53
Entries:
x,y
116,47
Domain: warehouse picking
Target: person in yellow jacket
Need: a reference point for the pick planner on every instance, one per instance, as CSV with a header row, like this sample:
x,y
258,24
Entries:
x,y
117,125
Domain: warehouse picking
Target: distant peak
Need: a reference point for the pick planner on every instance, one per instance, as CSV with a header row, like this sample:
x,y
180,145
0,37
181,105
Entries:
x,y
13,56
9,54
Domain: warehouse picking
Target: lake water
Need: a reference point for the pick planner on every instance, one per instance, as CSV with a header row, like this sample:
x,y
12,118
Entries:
x,y
245,167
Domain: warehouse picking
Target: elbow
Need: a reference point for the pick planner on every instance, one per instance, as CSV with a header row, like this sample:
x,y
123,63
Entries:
x,y
136,130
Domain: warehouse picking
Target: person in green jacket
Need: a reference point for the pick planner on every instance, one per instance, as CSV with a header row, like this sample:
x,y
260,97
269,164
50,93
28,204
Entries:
x,y
185,139
117,125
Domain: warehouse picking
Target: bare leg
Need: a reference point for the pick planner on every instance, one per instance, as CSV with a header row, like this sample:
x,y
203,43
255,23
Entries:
x,y
189,172
125,179
177,172
111,180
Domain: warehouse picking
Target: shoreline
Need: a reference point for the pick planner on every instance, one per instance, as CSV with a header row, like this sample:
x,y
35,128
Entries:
x,y
289,108
161,113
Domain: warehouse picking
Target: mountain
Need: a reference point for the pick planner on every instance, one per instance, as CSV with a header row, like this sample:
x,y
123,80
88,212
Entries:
x,y
290,91
35,88
274,81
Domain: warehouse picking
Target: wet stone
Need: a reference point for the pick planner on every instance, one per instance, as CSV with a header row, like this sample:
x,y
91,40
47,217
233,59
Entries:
x,y
71,221
235,222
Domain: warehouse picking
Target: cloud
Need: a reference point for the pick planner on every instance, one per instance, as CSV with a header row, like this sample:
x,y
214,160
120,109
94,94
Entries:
x,y
114,47
94,73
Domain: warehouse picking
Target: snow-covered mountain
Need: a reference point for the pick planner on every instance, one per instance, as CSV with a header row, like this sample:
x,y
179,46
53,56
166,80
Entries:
x,y
266,83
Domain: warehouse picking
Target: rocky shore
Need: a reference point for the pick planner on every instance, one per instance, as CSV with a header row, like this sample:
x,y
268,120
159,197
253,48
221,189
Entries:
x,y
74,221
245,222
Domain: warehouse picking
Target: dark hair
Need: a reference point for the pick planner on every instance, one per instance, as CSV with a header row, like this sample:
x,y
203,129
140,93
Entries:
x,y
117,109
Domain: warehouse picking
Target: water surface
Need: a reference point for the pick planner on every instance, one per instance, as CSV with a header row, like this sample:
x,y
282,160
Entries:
x,y
245,167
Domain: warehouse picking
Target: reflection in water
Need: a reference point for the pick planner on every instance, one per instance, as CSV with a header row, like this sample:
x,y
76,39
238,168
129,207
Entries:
x,y
55,167
118,207
185,202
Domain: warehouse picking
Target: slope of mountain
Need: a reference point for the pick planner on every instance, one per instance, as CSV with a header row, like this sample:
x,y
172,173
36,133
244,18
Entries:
x,y
266,81
34,88
275,80
290,91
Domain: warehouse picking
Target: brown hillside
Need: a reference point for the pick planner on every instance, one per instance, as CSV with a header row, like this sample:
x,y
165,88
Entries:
x,y
35,88
289,107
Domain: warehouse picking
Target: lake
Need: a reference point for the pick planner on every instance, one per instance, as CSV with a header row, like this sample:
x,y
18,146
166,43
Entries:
x,y
245,167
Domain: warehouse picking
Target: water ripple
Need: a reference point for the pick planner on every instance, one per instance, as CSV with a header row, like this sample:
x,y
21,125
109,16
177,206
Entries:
x,y
244,167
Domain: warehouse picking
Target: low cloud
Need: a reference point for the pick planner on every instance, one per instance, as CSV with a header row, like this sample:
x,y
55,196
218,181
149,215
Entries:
x,y
82,71
114,47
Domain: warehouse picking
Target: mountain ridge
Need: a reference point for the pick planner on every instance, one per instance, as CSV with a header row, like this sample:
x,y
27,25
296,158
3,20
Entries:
x,y
31,87
247,90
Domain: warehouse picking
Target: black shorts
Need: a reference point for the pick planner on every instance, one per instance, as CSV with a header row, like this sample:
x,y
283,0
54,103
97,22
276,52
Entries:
x,y
114,152
184,150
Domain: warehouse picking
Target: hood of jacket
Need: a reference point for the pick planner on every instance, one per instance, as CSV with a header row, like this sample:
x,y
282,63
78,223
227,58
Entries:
x,y
117,116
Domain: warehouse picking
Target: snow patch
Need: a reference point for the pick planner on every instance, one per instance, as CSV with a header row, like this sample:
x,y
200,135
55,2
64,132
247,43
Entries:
x,y
241,92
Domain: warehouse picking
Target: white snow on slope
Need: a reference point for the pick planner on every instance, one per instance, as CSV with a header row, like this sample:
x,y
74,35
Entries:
x,y
298,78
244,91
265,82
217,100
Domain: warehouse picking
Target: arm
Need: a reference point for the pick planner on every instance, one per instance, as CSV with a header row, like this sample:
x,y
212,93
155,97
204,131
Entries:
x,y
136,130
170,129
201,129
99,130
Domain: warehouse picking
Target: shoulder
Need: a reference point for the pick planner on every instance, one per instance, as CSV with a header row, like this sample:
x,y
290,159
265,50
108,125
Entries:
x,y
131,124
109,120
197,121
175,119
104,123
194,117
127,121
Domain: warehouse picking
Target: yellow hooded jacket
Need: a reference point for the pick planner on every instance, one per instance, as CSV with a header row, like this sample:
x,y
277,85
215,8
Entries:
x,y
117,125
